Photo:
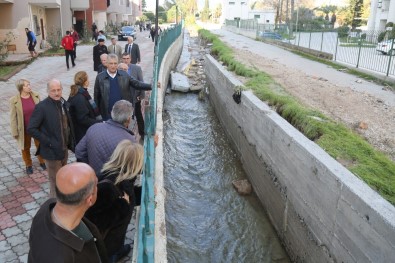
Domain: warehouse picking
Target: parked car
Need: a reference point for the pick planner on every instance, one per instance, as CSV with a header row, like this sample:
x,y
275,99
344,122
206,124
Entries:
x,y
125,32
271,35
386,47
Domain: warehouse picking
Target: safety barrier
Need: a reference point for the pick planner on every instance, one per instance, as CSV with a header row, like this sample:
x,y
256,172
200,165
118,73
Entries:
x,y
146,240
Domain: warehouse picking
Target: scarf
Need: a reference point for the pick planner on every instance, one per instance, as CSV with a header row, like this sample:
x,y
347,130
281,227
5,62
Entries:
x,y
88,97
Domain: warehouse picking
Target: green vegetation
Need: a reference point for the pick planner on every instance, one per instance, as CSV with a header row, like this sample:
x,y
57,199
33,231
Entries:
x,y
53,52
5,70
372,166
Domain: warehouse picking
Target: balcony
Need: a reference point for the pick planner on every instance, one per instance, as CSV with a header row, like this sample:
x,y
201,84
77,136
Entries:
x,y
46,3
6,1
79,4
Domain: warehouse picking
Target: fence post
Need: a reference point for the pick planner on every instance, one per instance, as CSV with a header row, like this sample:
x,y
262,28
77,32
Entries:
x,y
391,53
359,51
337,44
310,38
299,40
322,39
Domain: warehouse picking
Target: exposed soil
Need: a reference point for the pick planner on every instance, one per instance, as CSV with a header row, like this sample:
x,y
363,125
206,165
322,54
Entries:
x,y
360,111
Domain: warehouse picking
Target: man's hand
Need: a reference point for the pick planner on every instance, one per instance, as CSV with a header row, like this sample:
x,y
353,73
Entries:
x,y
126,197
158,85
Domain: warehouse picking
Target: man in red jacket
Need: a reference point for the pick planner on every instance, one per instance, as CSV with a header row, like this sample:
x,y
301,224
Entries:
x,y
68,45
74,35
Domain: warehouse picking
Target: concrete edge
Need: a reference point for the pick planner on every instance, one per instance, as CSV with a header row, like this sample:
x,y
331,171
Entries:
x,y
356,202
168,63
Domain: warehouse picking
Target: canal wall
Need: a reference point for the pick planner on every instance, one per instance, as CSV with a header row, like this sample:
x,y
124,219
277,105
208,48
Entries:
x,y
168,63
320,210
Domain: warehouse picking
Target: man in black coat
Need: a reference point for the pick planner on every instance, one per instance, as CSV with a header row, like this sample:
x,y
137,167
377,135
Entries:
x,y
51,124
133,50
59,231
114,85
98,50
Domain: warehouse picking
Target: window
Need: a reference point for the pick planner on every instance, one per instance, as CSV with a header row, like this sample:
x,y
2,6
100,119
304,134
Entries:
x,y
267,21
36,25
257,16
231,3
243,3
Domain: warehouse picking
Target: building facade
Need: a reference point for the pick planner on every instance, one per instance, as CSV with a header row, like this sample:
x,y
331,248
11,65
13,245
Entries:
x,y
48,18
240,9
381,12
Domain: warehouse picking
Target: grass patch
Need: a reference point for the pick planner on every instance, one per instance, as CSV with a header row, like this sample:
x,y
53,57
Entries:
x,y
53,52
372,166
6,70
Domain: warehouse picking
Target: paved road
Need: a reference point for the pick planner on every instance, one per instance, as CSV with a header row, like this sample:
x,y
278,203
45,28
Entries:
x,y
21,194
309,67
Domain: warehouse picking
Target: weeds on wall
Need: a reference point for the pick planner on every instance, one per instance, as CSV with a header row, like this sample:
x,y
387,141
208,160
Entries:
x,y
54,38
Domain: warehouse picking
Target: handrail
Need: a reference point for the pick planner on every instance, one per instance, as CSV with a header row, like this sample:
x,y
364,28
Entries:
x,y
146,228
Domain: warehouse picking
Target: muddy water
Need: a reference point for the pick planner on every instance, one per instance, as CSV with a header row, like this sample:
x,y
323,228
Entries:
x,y
206,220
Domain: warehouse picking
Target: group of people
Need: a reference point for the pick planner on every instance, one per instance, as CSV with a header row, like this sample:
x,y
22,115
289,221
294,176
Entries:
x,y
102,181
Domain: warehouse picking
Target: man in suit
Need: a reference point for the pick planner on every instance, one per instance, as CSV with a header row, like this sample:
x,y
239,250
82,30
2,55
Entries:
x,y
114,48
98,50
136,72
133,50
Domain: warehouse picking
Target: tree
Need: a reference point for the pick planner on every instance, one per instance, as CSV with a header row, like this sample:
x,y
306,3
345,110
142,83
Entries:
x,y
205,15
168,4
143,5
171,14
218,10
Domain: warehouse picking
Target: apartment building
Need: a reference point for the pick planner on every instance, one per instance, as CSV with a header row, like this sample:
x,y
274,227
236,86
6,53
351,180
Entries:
x,y
45,17
381,12
240,9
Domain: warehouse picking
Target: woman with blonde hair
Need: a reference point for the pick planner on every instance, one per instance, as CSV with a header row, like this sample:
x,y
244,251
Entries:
x,y
83,109
21,108
117,196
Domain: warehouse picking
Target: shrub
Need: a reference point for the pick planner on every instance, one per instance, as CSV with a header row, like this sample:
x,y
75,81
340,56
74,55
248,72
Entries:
x,y
4,45
54,37
343,31
389,24
381,36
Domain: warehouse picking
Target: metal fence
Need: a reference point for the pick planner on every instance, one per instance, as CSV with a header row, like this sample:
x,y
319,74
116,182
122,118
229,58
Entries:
x,y
358,49
146,227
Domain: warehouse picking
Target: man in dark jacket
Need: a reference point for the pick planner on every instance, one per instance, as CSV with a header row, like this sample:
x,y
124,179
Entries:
x,y
113,85
133,50
101,139
59,231
98,50
51,124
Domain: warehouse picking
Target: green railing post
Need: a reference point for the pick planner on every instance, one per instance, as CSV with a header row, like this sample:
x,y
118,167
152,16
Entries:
x,y
391,53
322,39
359,52
146,226
337,44
310,38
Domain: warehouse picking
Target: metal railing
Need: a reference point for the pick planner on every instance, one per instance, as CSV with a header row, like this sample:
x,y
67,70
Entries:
x,y
356,49
146,227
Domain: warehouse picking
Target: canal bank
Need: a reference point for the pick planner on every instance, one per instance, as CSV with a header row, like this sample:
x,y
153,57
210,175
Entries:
x,y
321,211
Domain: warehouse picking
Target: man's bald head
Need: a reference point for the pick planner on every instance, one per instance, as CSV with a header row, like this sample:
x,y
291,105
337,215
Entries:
x,y
74,183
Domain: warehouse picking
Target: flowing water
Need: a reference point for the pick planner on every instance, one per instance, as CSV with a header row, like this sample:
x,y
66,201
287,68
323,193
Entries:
x,y
206,219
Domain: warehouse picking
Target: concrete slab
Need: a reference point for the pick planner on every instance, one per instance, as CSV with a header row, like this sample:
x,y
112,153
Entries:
x,y
179,82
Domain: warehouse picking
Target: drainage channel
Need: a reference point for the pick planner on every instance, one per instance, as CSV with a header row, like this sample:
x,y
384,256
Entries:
x,y
206,219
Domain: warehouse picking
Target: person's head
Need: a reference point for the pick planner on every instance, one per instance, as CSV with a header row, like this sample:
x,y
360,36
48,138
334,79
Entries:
x,y
76,185
80,80
122,112
127,160
103,59
101,32
54,89
130,40
113,41
101,41
23,85
123,66
126,58
67,32
26,29
112,63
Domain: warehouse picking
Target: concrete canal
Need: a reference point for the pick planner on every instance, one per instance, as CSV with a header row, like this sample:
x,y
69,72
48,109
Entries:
x,y
206,219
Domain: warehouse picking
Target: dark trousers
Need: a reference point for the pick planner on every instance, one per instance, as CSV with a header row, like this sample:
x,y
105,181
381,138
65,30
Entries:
x,y
75,50
115,237
139,118
69,53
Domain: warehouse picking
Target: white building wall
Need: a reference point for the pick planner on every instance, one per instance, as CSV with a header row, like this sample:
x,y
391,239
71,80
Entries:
x,y
382,12
241,9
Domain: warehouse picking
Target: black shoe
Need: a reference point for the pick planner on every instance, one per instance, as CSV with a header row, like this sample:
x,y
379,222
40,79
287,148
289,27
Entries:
x,y
29,170
43,166
123,252
73,65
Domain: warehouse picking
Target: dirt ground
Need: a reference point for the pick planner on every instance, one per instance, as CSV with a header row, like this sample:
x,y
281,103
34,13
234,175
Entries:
x,y
360,111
